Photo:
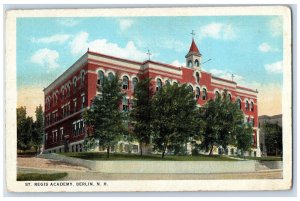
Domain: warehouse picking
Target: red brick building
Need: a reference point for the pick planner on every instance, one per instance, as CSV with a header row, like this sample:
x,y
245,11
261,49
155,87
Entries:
x,y
72,92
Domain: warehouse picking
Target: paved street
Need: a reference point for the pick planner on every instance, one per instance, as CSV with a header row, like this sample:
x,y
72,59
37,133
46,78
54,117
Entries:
x,y
26,165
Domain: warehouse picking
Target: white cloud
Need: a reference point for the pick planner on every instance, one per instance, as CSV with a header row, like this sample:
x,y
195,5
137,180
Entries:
x,y
125,24
264,47
275,67
80,44
57,38
276,26
46,57
68,22
226,75
217,31
178,63
172,44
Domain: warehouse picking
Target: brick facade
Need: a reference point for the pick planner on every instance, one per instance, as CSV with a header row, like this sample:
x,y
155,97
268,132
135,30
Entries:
x,y
72,92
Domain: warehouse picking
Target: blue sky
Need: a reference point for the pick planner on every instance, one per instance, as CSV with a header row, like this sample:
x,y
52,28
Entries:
x,y
250,47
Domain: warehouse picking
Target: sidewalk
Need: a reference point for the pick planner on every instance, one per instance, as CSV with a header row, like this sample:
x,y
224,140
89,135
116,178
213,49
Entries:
x,y
38,165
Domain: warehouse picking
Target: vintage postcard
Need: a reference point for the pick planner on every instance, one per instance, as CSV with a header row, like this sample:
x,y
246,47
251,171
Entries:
x,y
148,99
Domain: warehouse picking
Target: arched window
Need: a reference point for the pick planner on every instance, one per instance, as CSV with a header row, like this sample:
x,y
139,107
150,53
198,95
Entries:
x,y
100,78
168,82
82,79
190,88
252,106
197,63
239,103
75,83
247,105
190,63
197,77
125,82
110,76
62,91
69,89
158,84
134,82
204,94
229,97
197,92
217,94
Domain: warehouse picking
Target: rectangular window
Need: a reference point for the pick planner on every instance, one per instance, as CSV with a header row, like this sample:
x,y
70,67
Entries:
x,y
83,101
75,105
63,111
61,133
74,128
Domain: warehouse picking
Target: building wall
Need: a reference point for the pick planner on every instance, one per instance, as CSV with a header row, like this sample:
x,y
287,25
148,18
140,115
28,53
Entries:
x,y
92,62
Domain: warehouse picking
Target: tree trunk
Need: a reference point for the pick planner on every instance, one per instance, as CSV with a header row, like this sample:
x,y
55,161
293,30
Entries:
x,y
107,153
164,150
141,149
211,149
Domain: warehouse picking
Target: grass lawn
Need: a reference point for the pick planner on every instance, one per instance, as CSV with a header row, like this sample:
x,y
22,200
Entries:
x,y
40,177
153,157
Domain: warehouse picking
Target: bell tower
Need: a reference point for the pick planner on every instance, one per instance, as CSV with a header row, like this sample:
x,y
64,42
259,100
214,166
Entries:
x,y
193,57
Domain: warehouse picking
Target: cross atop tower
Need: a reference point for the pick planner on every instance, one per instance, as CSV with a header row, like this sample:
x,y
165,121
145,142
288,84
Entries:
x,y
232,76
149,54
193,34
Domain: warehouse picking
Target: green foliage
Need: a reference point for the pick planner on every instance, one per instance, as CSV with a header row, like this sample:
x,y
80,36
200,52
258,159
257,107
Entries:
x,y
140,115
24,129
223,120
273,138
38,128
174,117
40,176
104,116
244,137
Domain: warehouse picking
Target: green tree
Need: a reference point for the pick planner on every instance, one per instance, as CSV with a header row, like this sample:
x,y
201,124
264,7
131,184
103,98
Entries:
x,y
273,138
38,129
222,119
244,137
24,129
174,116
140,115
105,117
